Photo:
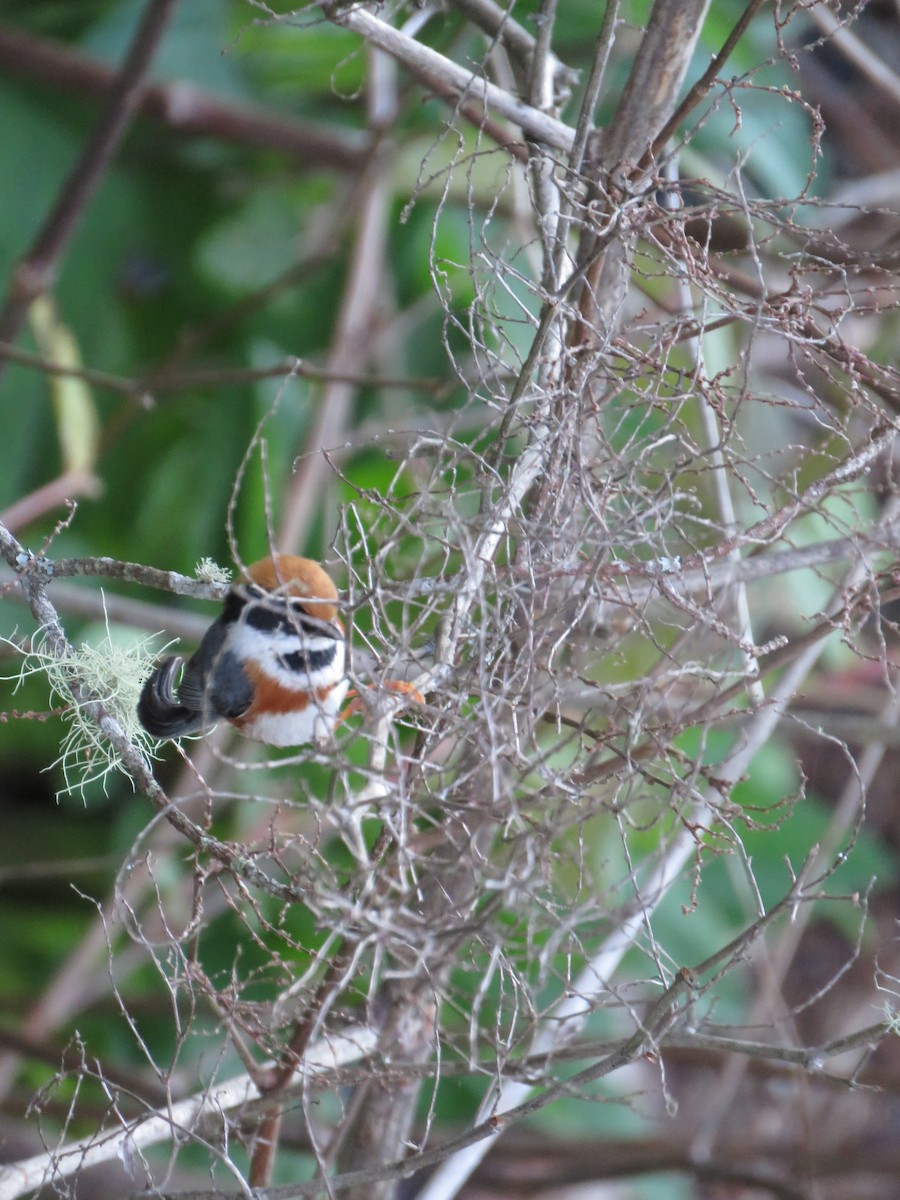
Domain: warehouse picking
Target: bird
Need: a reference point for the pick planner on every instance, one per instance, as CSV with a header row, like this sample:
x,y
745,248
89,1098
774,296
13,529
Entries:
x,y
273,663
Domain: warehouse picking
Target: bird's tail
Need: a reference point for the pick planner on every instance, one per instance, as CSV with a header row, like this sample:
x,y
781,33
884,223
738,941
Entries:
x,y
159,709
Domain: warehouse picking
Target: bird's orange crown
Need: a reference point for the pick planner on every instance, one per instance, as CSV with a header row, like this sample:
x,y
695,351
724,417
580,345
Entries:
x,y
294,576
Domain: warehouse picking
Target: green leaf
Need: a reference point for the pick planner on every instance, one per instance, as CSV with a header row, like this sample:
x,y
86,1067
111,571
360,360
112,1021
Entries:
x,y
77,423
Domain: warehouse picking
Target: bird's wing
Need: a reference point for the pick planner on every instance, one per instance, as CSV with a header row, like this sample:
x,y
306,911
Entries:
x,y
214,681
230,690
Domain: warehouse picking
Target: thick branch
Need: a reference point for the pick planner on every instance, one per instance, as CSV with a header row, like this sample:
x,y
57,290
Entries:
x,y
648,101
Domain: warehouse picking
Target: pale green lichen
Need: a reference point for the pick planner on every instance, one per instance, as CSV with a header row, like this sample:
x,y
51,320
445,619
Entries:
x,y
112,671
209,571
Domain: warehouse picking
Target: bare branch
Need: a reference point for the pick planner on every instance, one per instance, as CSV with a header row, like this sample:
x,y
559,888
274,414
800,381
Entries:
x,y
434,70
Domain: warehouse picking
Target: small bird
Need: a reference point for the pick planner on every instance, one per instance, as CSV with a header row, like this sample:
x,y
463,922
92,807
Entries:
x,y
273,663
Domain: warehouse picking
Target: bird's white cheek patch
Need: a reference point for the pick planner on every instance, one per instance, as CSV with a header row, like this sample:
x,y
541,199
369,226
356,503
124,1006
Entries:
x,y
269,652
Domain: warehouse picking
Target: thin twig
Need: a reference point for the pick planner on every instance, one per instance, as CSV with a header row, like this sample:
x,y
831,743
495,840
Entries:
x,y
142,389
520,44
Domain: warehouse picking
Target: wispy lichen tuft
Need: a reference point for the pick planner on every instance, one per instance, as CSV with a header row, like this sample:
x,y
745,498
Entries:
x,y
209,571
111,672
